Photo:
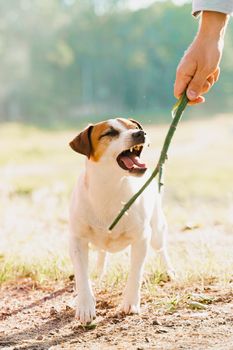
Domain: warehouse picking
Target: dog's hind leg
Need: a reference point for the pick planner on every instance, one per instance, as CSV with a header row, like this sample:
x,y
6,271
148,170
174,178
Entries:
x,y
101,264
159,240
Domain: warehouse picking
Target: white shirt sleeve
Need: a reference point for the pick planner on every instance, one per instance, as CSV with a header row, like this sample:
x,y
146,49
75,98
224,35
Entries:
x,y
224,6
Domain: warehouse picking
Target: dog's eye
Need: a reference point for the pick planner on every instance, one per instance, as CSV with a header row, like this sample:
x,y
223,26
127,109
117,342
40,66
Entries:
x,y
112,133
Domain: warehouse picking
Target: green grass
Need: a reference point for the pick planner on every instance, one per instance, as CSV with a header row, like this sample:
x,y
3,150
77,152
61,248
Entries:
x,y
41,271
38,170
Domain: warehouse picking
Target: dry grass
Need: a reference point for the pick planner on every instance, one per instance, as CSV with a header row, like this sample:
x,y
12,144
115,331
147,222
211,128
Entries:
x,y
36,176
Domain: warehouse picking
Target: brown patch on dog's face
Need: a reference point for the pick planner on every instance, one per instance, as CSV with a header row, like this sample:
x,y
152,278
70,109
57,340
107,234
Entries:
x,y
129,123
95,139
101,136
137,123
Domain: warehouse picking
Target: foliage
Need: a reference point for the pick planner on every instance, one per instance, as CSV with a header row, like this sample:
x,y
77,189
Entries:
x,y
65,59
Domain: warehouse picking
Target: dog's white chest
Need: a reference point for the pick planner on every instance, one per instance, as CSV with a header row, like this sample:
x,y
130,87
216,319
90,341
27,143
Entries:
x,y
108,241
94,214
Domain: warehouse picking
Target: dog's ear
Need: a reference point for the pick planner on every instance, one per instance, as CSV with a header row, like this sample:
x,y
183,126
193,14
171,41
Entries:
x,y
137,123
82,142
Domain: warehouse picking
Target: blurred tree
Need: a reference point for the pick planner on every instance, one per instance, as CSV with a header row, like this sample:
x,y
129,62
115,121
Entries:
x,y
69,58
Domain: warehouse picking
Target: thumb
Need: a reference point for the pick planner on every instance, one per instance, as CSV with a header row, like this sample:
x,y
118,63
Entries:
x,y
195,86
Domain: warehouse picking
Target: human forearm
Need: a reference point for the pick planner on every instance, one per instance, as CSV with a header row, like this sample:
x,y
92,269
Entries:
x,y
213,25
199,68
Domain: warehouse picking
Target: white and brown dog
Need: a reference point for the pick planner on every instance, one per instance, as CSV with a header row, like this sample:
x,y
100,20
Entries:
x,y
113,173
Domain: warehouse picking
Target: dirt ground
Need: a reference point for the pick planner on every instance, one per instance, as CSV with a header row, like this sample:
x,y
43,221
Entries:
x,y
39,317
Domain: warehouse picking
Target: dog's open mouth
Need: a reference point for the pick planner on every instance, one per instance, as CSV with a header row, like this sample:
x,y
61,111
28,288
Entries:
x,y
130,160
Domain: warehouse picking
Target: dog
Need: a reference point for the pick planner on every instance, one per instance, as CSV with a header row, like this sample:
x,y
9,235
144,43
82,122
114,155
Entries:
x,y
113,172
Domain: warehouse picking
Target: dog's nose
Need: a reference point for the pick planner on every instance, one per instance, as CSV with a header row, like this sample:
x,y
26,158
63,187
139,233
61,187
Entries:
x,y
139,136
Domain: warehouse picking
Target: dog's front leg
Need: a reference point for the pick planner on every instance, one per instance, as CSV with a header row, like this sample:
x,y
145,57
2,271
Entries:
x,y
85,306
131,298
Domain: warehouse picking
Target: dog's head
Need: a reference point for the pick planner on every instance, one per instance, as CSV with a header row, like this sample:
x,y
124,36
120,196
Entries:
x,y
116,142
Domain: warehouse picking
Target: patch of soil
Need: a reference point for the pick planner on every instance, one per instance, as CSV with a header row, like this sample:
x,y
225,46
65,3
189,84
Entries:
x,y
39,317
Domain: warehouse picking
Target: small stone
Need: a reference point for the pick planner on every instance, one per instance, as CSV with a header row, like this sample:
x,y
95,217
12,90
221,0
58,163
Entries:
x,y
53,311
75,341
40,337
76,328
155,322
116,320
169,325
161,331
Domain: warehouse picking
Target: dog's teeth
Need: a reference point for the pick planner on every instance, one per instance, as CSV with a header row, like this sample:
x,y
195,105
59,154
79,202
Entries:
x,y
135,148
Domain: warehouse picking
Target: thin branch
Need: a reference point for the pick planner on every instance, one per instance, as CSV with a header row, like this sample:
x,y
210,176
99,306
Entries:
x,y
177,114
160,179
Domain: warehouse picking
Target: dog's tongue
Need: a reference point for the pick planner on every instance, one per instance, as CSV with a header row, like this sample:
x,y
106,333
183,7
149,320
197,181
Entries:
x,y
131,160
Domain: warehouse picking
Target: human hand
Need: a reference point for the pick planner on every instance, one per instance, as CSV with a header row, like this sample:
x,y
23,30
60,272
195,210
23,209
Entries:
x,y
199,69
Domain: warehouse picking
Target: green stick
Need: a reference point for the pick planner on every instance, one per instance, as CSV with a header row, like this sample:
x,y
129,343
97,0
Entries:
x,y
177,114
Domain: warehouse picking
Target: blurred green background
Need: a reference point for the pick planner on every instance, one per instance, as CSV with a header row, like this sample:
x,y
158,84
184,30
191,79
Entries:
x,y
70,61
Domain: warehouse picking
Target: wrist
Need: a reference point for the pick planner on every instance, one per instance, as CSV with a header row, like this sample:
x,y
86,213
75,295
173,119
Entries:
x,y
213,25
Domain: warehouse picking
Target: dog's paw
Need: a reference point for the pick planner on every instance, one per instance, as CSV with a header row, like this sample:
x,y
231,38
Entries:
x,y
85,309
130,308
